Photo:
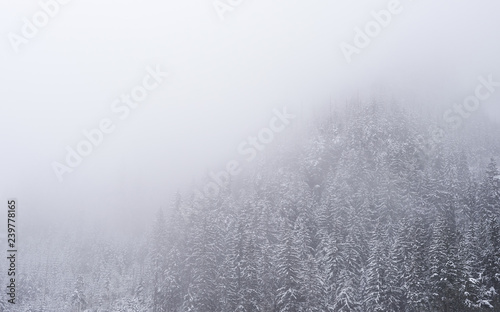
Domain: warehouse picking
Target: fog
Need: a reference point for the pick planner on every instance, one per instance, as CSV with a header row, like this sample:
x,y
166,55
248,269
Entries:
x,y
225,77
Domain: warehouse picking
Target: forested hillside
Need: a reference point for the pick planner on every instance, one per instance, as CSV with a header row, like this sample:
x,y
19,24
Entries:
x,y
353,214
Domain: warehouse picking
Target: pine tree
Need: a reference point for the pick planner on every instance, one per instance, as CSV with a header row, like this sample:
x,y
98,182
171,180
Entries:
x,y
348,290
491,260
158,257
203,265
78,297
380,289
289,297
471,270
490,191
417,267
445,274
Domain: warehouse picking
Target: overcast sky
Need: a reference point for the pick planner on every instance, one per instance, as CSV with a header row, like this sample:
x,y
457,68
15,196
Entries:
x,y
225,78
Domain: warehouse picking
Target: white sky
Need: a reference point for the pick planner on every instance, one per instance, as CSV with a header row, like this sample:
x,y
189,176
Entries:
x,y
225,79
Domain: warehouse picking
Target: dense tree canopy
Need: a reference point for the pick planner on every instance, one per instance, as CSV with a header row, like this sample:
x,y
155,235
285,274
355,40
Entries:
x,y
351,214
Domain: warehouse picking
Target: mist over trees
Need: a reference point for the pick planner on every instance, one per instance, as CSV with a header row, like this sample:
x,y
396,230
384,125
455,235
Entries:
x,y
350,212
